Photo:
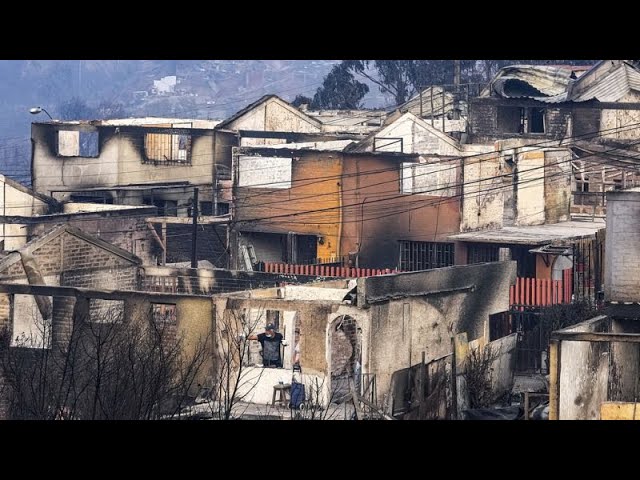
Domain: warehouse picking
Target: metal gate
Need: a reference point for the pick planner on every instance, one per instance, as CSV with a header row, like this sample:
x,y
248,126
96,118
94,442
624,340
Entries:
x,y
533,341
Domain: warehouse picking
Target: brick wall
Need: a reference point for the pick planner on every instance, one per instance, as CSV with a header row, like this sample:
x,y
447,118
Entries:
x,y
129,233
586,121
75,263
482,118
622,248
557,121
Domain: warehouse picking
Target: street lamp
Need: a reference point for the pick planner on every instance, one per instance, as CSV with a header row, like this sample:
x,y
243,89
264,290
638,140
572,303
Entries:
x,y
37,110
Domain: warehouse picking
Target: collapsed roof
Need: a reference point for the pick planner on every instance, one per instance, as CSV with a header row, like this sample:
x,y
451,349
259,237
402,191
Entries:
x,y
606,81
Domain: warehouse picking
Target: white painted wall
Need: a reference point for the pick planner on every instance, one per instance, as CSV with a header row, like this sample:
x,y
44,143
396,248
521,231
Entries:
x,y
15,201
264,172
530,205
417,137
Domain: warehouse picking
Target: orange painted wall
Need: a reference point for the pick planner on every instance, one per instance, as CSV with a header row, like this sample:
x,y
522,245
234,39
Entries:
x,y
542,270
375,228
315,181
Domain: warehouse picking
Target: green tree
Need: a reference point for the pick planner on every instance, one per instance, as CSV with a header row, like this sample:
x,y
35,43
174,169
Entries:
x,y
301,100
402,79
340,90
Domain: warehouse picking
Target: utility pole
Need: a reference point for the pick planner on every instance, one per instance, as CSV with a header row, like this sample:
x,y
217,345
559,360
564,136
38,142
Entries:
x,y
456,93
194,232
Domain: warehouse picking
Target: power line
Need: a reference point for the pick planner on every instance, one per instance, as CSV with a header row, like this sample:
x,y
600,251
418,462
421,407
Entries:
x,y
405,195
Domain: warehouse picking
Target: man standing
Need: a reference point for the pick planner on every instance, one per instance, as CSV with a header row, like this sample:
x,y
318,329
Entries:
x,y
270,341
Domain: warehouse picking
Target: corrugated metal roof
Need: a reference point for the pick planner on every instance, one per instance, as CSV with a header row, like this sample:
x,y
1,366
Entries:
x,y
613,86
532,81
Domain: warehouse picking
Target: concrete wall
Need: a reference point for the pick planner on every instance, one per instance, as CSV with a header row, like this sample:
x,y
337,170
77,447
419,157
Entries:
x,y
503,366
409,316
397,318
483,193
625,359
417,137
622,247
557,185
530,204
50,172
18,200
374,229
272,115
584,374
194,327
121,161
619,119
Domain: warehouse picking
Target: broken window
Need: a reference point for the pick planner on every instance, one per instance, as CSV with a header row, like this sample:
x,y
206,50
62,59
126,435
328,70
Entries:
x,y
164,314
223,208
264,172
168,148
30,328
521,120
91,197
482,254
273,316
425,255
526,261
206,209
581,195
73,143
536,120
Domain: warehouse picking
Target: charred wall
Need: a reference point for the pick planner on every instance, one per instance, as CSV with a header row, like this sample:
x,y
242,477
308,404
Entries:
x,y
377,215
315,185
210,241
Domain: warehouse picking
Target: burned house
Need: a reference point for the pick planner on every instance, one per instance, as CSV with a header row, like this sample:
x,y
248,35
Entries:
x,y
371,331
63,256
337,202
147,161
96,333
166,163
18,204
592,110
595,364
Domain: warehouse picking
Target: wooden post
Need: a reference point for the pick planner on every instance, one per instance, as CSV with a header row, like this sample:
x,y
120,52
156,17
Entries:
x,y
454,379
554,379
526,405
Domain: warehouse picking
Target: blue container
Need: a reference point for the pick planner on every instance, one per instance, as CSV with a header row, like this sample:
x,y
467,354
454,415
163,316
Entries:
x,y
297,395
